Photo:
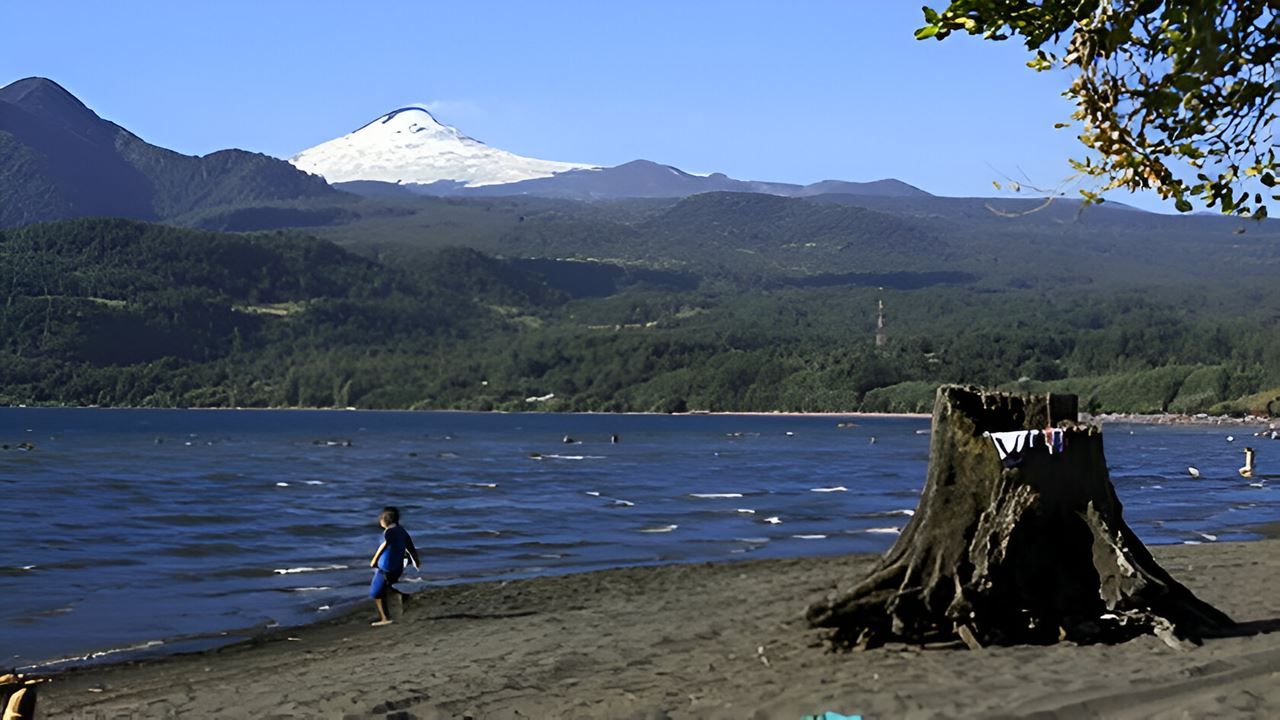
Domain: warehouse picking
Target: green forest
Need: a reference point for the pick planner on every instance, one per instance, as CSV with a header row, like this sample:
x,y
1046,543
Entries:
x,y
725,302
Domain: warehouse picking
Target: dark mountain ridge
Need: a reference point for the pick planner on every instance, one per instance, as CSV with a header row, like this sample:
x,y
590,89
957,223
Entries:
x,y
59,159
635,179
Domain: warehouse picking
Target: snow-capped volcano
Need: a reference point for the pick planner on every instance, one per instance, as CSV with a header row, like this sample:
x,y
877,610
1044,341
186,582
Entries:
x,y
410,146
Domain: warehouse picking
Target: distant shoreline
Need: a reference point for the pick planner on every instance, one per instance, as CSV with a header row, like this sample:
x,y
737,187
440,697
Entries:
x,y
1119,418
695,413
1179,419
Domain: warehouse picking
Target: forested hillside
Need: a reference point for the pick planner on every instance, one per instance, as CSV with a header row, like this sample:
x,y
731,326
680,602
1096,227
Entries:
x,y
116,312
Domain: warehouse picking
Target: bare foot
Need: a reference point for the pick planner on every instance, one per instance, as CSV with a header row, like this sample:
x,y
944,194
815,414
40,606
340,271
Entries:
x,y
380,623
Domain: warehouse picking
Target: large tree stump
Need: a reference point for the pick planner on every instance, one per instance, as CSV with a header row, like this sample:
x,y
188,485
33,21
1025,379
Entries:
x,y
1035,553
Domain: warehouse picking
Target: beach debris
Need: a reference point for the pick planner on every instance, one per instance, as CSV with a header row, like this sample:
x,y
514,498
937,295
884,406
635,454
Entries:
x,y
1008,556
764,659
1193,472
1167,633
967,637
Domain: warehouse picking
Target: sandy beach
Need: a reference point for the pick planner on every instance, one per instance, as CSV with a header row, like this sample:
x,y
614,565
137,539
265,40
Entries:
x,y
722,640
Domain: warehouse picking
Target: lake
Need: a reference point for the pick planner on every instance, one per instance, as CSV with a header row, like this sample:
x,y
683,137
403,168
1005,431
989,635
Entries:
x,y
130,531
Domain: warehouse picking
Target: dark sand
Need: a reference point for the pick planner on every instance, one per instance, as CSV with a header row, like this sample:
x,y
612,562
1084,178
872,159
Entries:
x,y
682,642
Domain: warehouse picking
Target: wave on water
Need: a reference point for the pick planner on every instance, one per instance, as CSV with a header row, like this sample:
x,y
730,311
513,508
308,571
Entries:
x,y
837,488
323,568
100,654
810,537
659,529
714,496
884,530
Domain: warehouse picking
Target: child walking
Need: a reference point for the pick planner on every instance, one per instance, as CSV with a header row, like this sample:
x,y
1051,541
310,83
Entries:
x,y
388,561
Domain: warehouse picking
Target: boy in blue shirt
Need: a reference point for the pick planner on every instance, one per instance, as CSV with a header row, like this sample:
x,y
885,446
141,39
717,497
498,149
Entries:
x,y
389,561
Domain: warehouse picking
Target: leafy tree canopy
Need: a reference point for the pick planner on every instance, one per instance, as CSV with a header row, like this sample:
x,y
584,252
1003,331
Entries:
x,y
1157,84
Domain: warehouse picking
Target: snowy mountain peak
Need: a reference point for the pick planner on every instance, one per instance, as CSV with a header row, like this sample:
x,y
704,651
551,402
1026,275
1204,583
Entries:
x,y
409,145
414,119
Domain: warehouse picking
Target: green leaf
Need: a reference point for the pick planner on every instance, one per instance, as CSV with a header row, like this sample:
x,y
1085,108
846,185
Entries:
x,y
927,31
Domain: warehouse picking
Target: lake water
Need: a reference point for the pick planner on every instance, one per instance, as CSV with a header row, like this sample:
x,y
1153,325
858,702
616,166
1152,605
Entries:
x,y
164,530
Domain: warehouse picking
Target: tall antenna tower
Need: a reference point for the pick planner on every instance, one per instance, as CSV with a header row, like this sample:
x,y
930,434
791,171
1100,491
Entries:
x,y
881,339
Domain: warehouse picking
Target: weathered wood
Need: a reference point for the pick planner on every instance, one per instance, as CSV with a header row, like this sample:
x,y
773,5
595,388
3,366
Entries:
x,y
1035,553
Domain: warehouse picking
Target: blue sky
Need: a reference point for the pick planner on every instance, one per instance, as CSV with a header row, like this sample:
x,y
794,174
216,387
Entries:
x,y
796,91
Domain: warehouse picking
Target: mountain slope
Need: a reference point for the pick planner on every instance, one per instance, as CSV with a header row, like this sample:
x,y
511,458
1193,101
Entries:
x,y
635,179
409,145
409,152
58,159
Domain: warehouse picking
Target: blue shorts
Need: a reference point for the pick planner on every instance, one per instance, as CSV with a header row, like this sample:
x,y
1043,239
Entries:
x,y
382,581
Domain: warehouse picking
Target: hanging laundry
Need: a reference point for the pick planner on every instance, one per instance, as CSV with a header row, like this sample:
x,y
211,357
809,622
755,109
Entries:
x,y
1056,439
1011,445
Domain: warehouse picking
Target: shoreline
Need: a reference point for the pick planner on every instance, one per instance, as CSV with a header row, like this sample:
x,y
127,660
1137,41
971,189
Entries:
x,y
1105,417
693,413
697,640
1181,419
161,649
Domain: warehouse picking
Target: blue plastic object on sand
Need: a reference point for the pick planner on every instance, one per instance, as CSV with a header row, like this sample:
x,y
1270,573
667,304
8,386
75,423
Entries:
x,y
831,715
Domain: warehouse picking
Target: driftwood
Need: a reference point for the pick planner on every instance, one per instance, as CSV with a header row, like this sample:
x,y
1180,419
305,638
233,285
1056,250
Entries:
x,y
1035,553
